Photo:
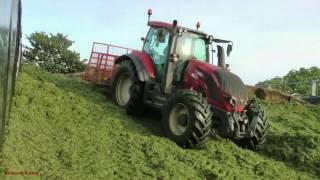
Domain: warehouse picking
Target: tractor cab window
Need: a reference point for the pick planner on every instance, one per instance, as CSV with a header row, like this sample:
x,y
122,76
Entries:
x,y
156,46
192,46
189,46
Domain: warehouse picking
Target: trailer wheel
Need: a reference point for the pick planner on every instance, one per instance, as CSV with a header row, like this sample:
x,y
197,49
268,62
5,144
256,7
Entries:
x,y
187,119
127,90
259,135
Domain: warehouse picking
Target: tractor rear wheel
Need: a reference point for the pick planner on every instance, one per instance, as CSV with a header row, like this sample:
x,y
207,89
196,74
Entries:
x,y
259,134
127,90
187,119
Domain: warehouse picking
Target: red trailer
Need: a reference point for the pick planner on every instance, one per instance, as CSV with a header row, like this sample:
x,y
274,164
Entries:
x,y
101,62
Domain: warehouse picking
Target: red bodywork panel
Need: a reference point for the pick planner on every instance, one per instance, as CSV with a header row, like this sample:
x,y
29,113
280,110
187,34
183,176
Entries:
x,y
147,62
194,78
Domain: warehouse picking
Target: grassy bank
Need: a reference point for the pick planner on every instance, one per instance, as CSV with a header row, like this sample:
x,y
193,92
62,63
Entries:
x,y
66,129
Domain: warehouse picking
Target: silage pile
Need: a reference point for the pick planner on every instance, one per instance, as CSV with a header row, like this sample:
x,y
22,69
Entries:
x,y
64,128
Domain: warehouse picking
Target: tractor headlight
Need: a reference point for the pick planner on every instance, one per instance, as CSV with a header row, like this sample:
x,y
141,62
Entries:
x,y
227,98
230,100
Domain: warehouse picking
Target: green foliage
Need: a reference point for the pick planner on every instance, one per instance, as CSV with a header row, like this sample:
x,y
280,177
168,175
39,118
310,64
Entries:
x,y
67,129
52,53
295,81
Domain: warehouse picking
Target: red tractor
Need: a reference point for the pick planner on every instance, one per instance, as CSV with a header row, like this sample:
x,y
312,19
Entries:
x,y
173,74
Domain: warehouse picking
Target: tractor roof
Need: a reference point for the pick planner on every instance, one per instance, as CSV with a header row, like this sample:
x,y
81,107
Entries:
x,y
161,24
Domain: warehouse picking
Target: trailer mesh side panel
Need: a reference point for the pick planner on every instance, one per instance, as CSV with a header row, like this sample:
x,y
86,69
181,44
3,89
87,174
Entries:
x,y
101,63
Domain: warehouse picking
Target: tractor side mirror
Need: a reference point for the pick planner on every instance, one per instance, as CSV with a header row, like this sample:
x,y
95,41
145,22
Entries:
x,y
229,49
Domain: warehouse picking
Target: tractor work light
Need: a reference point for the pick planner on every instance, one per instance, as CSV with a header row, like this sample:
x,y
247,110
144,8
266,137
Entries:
x,y
175,23
149,12
198,25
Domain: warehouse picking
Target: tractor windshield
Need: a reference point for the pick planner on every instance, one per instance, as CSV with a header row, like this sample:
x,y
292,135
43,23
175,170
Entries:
x,y
192,46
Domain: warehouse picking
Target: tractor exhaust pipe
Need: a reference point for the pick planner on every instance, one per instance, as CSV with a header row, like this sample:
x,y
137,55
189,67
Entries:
x,y
221,57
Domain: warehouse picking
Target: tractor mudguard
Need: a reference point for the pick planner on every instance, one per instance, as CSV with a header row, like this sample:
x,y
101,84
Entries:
x,y
253,123
138,63
199,76
253,112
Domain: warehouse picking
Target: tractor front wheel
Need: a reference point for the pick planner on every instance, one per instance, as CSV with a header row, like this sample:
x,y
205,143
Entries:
x,y
260,132
187,119
127,90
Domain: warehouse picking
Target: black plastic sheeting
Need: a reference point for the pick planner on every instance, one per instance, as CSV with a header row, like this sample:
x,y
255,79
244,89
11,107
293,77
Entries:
x,y
232,85
10,53
312,99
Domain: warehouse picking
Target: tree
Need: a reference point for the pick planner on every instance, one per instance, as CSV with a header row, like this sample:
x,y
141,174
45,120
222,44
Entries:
x,y
52,53
296,81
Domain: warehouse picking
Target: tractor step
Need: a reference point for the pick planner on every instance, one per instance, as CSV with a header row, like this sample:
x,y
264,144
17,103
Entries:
x,y
152,96
156,101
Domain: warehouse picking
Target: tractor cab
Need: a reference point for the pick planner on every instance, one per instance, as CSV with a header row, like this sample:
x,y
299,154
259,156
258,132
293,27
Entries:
x,y
171,47
164,39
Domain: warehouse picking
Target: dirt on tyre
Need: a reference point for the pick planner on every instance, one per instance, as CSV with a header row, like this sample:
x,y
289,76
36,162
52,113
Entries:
x,y
260,132
127,90
187,119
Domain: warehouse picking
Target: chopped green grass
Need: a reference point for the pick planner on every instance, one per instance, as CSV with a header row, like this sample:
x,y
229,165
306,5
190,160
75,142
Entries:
x,y
64,128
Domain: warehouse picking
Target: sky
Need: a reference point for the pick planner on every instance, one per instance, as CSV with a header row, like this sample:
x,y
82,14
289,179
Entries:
x,y
270,37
